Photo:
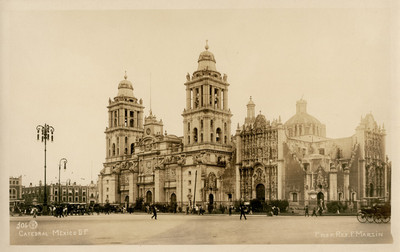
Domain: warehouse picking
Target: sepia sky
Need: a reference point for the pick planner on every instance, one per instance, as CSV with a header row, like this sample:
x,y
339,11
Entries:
x,y
60,67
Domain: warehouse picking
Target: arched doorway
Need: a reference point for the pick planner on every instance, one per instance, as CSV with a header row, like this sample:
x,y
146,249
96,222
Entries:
x,y
320,199
149,197
126,202
210,202
260,192
173,198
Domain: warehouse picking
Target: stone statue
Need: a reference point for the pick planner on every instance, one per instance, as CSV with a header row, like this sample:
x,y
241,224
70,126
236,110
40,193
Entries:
x,y
188,77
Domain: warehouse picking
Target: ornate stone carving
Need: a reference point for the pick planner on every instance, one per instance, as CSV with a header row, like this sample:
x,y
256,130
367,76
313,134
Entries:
x,y
181,160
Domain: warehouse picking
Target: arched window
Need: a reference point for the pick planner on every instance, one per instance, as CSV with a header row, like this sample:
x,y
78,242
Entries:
x,y
188,127
218,138
225,139
211,124
132,148
115,118
113,149
195,135
201,137
149,197
212,137
294,195
201,124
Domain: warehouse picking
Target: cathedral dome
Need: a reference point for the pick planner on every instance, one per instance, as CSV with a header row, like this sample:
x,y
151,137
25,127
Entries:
x,y
303,123
125,87
260,121
302,118
206,60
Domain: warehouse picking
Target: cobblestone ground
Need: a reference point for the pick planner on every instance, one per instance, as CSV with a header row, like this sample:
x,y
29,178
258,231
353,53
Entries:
x,y
192,229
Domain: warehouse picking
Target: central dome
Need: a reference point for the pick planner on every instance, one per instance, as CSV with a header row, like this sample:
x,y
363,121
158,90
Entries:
x,y
303,123
206,60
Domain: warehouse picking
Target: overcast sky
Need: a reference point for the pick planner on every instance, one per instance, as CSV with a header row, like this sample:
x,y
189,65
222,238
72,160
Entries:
x,y
61,67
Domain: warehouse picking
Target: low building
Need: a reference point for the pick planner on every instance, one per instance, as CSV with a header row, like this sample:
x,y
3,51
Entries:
x,y
15,190
58,193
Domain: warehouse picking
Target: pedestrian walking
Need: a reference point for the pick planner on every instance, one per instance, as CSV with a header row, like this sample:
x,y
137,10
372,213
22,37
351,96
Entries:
x,y
34,211
320,211
306,211
242,213
314,212
154,212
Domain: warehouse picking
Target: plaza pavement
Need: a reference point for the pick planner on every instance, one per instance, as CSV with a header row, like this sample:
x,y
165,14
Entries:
x,y
177,229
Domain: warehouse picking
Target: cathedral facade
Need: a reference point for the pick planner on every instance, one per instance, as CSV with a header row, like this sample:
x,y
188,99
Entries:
x,y
295,161
266,159
142,161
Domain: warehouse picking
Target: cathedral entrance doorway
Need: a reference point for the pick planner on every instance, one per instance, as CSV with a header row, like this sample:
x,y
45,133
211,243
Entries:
x,y
173,198
320,199
260,192
210,202
149,197
126,202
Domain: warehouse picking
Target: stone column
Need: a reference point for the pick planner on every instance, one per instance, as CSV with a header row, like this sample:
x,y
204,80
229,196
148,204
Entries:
x,y
332,183
157,185
225,99
346,183
179,191
385,182
205,95
188,98
212,97
217,193
134,188
140,119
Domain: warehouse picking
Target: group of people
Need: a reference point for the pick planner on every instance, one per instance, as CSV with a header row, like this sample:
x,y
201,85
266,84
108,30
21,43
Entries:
x,y
59,211
314,212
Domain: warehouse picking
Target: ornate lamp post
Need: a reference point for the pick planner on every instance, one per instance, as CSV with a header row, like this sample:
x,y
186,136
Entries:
x,y
62,160
47,134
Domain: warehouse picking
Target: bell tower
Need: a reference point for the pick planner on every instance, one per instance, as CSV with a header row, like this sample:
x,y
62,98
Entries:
x,y
206,118
125,122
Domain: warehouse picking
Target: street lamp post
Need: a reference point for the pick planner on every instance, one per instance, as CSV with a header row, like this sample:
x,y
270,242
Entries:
x,y
62,160
47,134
